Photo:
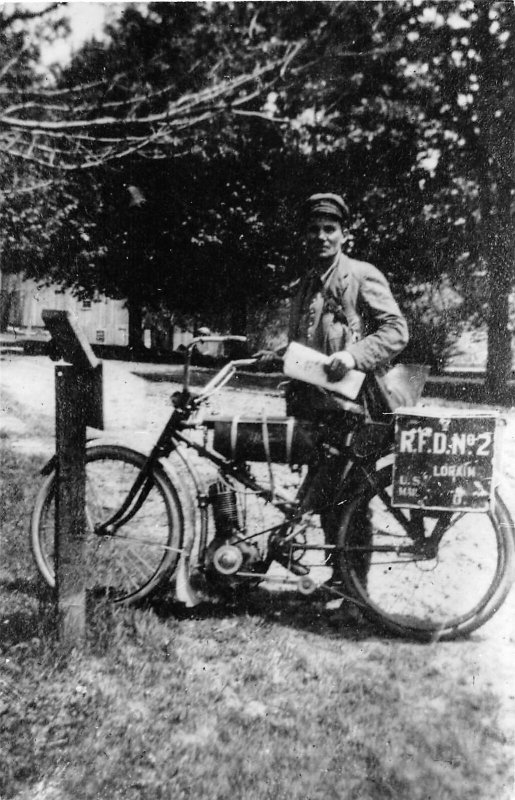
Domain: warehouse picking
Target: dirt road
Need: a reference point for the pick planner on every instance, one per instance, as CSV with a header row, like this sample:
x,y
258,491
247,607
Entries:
x,y
133,403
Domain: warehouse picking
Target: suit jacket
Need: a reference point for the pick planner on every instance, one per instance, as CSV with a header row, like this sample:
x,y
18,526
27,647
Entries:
x,y
351,308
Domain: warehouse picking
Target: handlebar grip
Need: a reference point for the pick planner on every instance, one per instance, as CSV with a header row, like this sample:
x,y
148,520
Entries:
x,y
215,338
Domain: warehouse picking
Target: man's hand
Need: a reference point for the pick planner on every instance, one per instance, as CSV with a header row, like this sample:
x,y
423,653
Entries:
x,y
268,361
339,366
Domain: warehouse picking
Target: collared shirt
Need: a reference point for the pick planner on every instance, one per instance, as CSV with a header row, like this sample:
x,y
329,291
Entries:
x,y
350,307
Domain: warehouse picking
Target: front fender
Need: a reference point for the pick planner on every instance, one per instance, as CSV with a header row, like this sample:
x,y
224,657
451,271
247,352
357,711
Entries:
x,y
49,467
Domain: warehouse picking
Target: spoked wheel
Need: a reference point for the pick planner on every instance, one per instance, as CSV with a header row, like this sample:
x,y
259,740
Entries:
x,y
130,563
425,574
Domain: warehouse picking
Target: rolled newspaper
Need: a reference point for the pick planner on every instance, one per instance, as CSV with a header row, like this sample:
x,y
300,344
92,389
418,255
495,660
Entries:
x,y
305,364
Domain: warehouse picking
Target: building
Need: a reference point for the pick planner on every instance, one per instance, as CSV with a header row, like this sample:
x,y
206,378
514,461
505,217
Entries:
x,y
105,321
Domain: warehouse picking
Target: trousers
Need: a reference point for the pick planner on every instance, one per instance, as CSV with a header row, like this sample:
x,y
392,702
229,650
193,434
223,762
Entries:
x,y
323,497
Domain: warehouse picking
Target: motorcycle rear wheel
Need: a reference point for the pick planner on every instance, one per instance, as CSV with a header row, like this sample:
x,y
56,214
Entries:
x,y
406,591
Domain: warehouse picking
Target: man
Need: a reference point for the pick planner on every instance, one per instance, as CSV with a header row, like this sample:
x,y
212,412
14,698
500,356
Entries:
x,y
343,308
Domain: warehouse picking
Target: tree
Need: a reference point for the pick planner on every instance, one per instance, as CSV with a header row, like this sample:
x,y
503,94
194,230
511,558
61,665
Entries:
x,y
436,90
336,115
28,213
166,100
218,115
228,235
495,44
147,105
462,56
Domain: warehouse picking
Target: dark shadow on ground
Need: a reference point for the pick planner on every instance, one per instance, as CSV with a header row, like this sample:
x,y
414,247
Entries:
x,y
285,608
34,615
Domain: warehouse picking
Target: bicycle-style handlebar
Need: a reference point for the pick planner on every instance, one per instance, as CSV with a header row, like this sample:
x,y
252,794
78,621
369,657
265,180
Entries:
x,y
223,377
225,374
215,338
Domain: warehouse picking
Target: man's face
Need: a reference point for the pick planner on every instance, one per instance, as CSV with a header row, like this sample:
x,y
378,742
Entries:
x,y
324,238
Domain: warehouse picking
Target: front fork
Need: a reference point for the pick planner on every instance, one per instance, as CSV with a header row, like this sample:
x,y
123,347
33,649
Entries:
x,y
142,486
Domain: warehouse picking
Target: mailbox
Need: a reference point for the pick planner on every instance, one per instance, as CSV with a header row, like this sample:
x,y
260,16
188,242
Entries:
x,y
70,343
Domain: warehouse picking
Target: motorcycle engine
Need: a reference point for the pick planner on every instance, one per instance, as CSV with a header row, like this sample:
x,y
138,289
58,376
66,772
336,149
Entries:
x,y
226,558
228,554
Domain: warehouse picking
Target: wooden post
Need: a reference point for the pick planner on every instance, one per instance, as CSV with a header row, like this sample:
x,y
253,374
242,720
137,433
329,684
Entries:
x,y
78,404
70,517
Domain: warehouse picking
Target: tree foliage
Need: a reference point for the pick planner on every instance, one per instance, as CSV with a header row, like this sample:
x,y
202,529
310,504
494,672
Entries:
x,y
203,125
462,53
154,91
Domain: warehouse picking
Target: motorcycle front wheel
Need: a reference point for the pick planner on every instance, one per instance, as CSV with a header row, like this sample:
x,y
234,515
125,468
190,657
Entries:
x,y
135,559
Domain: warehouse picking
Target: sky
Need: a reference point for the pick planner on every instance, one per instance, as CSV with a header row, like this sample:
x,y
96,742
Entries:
x,y
86,19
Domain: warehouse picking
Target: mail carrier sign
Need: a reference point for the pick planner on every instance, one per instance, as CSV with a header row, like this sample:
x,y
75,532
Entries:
x,y
443,460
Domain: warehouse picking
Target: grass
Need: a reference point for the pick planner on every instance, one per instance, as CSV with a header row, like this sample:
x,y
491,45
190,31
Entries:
x,y
260,700
240,706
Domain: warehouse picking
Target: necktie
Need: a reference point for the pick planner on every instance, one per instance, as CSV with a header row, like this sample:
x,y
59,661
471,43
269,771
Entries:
x,y
307,311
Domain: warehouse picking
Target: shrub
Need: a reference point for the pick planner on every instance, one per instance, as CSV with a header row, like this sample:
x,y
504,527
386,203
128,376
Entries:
x,y
435,320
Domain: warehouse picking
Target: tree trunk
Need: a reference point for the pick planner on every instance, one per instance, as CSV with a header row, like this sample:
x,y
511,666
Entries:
x,y
239,314
496,182
135,329
499,359
500,256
